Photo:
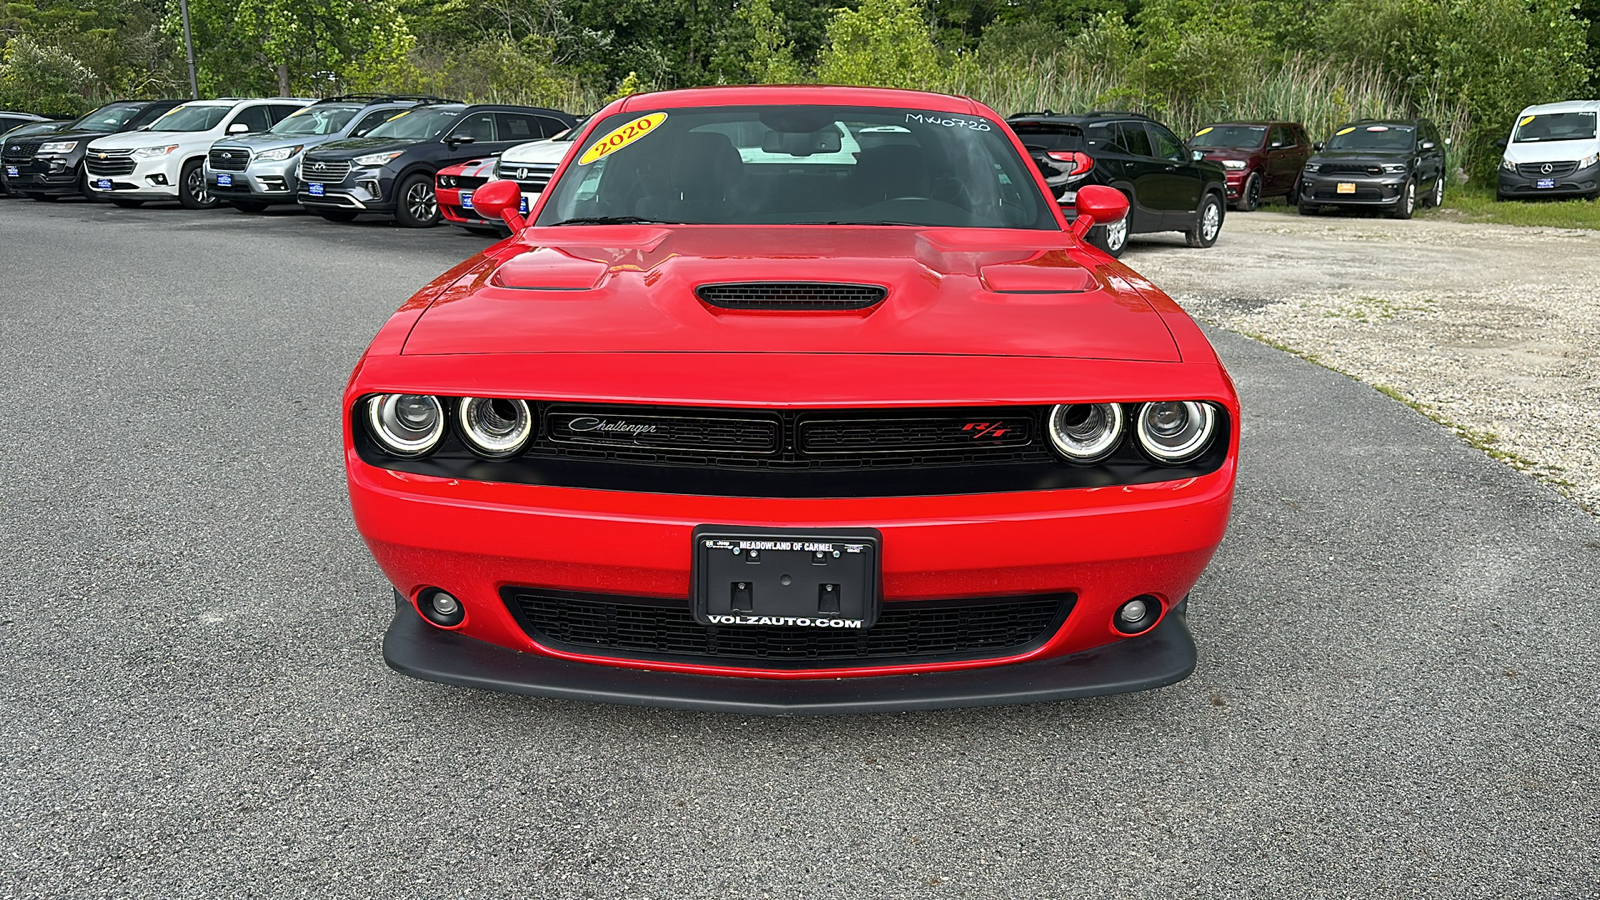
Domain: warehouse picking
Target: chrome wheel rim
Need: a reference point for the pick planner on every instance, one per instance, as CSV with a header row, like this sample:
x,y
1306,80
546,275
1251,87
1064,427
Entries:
x,y
1117,234
421,202
1211,223
1411,197
197,186
1438,191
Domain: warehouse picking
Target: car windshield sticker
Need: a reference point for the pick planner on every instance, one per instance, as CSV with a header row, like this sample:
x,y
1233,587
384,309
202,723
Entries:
x,y
1345,131
392,118
1206,130
947,121
1527,119
1377,128
299,112
622,137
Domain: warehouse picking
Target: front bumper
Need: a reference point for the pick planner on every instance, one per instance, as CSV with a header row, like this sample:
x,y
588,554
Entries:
x,y
151,179
1369,190
1567,184
1233,180
1161,656
52,176
262,182
362,190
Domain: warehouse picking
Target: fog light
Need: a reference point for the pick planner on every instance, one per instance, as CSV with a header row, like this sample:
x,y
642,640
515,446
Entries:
x,y
440,607
1137,615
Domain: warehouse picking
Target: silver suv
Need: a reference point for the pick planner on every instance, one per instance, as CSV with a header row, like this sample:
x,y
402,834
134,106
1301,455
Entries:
x,y
258,170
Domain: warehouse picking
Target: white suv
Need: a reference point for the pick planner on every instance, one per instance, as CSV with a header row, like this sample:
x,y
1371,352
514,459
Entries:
x,y
1553,151
166,160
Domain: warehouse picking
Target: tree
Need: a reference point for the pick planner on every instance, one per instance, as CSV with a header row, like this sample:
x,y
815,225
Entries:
x,y
884,43
292,46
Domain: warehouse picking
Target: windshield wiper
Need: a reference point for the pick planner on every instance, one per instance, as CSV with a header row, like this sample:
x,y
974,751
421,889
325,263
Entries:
x,y
615,220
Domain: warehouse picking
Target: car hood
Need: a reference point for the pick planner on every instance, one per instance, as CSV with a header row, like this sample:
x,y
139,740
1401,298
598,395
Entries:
x,y
631,288
537,152
1554,151
133,140
350,148
1375,157
265,141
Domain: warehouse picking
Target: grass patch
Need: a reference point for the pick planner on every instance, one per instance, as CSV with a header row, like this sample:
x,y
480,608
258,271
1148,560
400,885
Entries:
x,y
1477,203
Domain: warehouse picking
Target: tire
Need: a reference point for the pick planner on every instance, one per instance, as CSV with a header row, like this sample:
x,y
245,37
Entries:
x,y
126,203
416,206
1437,200
1112,239
1250,194
1207,223
192,192
337,215
248,206
1408,202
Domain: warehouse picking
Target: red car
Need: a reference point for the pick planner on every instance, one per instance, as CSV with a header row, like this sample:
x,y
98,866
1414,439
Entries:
x,y
793,400
453,186
1261,159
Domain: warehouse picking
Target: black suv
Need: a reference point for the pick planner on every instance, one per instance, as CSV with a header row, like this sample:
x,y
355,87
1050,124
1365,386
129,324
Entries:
x,y
1169,187
48,166
1388,164
391,170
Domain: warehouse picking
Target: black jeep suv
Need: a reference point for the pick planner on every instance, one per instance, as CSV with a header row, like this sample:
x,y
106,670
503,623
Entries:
x,y
48,166
391,170
1169,187
1389,164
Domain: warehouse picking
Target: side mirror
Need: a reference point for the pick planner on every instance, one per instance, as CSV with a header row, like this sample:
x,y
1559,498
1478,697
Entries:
x,y
1317,147
1196,155
1275,145
460,139
1097,205
501,199
1428,145
238,128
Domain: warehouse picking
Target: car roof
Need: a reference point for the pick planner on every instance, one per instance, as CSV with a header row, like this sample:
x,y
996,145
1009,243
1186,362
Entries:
x,y
1078,118
1409,123
22,115
799,94
1563,106
1252,123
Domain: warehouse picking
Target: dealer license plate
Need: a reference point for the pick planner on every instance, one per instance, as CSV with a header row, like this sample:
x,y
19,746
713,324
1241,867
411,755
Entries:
x,y
522,209
1346,187
103,184
786,578
11,171
466,200
1545,183
224,181
314,189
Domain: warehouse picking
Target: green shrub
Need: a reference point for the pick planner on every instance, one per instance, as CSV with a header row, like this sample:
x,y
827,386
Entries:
x,y
44,80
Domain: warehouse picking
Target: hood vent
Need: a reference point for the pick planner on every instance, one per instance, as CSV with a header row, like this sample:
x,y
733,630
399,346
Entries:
x,y
803,296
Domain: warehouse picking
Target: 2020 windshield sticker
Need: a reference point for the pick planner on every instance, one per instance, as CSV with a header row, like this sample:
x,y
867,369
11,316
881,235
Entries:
x,y
947,121
622,137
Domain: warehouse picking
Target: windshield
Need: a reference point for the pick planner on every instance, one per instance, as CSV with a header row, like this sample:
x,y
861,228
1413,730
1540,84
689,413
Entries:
x,y
1371,137
106,119
1229,137
191,118
799,165
417,125
316,120
1572,126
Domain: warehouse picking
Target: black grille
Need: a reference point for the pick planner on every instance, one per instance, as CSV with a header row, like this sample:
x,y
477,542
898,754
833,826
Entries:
x,y
469,183
230,160
665,630
703,431
325,171
1536,170
794,295
110,163
1349,169
20,150
533,177
906,435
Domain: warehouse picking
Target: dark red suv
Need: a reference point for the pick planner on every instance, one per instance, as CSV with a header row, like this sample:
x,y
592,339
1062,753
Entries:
x,y
1262,159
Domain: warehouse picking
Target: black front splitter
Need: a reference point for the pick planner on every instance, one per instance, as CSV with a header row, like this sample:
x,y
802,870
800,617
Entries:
x,y
1164,655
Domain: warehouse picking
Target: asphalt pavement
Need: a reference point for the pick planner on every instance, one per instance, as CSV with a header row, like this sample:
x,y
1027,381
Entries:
x,y
1397,692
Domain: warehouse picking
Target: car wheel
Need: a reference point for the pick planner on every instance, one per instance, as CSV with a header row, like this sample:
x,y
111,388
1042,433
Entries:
x,y
337,215
418,206
248,206
1207,223
1112,238
1438,192
1250,197
192,193
1408,202
125,203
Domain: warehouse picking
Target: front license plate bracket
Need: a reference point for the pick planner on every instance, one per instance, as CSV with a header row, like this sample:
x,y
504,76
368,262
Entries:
x,y
788,578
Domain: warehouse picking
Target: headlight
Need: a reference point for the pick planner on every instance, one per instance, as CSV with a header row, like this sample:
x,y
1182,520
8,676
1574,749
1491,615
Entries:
x,y
1085,432
448,181
1233,164
1313,167
278,155
376,159
1175,430
153,152
1589,160
1507,164
495,427
1396,169
406,424
58,147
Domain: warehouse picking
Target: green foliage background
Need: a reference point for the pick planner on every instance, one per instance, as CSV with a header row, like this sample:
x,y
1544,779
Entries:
x,y
1470,64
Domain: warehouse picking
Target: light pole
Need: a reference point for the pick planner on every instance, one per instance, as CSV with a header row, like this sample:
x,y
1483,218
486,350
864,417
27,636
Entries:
x,y
188,46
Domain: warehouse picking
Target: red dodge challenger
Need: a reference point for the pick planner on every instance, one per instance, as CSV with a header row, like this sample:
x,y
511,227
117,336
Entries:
x,y
792,400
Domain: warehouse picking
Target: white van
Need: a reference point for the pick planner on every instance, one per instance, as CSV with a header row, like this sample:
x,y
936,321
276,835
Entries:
x,y
1553,151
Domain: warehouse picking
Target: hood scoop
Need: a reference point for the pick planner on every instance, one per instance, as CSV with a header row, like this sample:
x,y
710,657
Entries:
x,y
792,296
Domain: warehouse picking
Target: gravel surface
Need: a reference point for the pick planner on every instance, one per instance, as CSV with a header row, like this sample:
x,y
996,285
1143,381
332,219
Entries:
x,y
1491,329
1396,694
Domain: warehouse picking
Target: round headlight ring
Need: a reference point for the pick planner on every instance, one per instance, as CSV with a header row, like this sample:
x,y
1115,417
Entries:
x,y
1085,432
1175,431
495,427
406,424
